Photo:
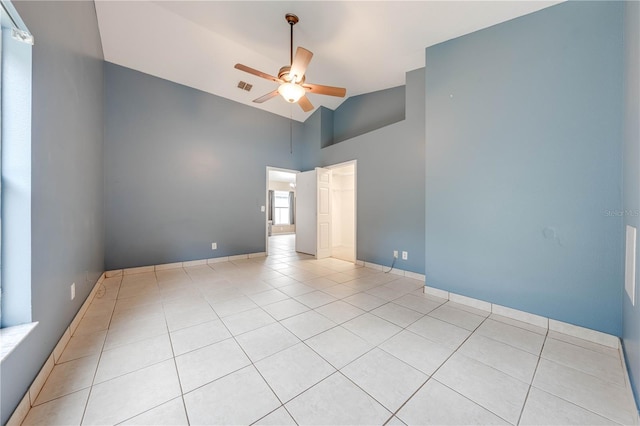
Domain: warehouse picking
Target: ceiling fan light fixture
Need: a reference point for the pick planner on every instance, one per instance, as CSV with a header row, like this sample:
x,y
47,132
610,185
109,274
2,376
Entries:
x,y
293,86
291,92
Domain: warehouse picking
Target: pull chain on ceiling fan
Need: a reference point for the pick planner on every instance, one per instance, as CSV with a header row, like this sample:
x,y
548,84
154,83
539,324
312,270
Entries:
x,y
293,87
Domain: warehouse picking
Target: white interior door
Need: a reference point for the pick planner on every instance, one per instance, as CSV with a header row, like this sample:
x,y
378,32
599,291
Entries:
x,y
306,209
324,213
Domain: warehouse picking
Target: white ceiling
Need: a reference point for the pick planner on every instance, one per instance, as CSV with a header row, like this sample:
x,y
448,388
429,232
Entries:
x,y
361,45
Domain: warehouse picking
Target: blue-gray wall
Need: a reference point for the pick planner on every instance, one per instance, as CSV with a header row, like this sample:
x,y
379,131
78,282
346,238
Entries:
x,y
184,169
390,176
523,162
371,111
631,189
67,180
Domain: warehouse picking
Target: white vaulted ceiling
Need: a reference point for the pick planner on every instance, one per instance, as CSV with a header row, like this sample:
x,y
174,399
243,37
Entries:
x,y
361,45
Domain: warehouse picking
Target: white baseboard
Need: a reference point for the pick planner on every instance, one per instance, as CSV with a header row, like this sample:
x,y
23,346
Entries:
x,y
468,301
186,264
168,266
529,318
217,260
395,271
193,263
584,333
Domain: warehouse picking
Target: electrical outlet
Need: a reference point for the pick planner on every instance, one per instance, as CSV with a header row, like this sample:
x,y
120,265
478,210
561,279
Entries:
x,y
214,246
395,254
73,291
405,255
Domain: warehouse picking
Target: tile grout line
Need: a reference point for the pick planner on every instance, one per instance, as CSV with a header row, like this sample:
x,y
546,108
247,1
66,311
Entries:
x,y
156,363
233,336
605,416
295,263
431,376
533,377
84,412
339,370
111,314
570,367
175,363
255,368
61,363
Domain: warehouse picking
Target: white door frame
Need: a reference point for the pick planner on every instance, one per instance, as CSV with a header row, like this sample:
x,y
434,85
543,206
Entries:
x,y
266,204
324,213
355,202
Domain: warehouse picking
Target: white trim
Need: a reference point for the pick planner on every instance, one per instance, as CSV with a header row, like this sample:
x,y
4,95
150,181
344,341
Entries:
x,y
414,275
40,379
10,337
238,257
436,292
584,333
394,271
373,266
167,266
177,265
192,263
516,314
138,270
62,343
217,260
468,301
529,318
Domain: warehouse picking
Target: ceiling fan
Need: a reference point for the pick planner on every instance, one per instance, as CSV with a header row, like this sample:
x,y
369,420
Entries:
x,y
293,87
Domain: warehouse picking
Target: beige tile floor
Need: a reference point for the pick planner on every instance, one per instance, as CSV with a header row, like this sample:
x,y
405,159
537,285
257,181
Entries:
x,y
288,339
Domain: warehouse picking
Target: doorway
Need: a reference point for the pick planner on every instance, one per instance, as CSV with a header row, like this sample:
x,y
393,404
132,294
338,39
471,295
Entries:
x,y
343,211
280,204
326,212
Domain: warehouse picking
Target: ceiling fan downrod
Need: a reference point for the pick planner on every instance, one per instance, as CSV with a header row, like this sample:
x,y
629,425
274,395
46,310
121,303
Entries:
x,y
292,20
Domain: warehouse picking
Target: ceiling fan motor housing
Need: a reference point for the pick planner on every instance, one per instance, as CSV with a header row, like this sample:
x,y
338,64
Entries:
x,y
283,74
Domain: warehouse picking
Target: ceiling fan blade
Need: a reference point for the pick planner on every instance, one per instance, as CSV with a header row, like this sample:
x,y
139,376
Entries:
x,y
256,72
319,89
305,104
266,97
300,63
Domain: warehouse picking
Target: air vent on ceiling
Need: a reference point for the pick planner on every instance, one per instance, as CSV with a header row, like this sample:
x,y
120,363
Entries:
x,y
245,86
